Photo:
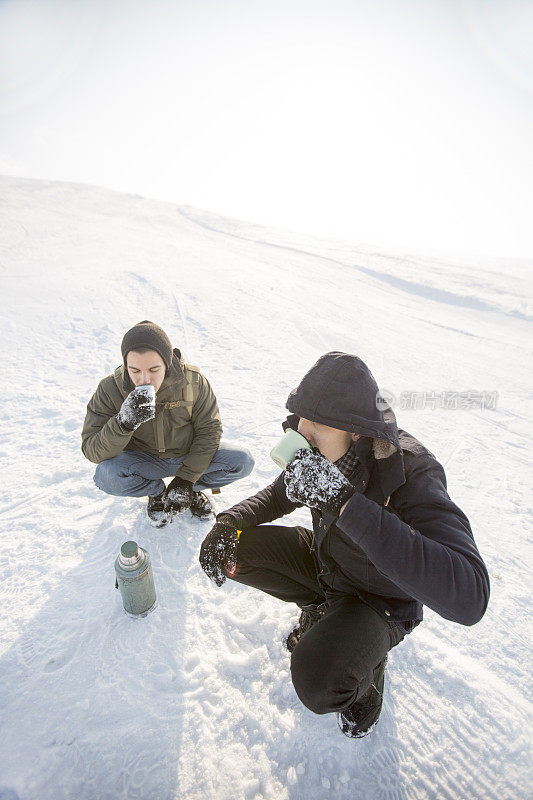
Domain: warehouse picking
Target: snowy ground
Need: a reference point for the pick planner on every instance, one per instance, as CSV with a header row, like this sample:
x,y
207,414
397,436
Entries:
x,y
195,701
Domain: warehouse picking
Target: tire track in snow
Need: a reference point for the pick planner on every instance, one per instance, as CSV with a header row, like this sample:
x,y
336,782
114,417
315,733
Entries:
x,y
409,287
459,740
184,325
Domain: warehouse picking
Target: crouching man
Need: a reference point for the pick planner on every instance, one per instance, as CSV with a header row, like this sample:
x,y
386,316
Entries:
x,y
386,540
157,417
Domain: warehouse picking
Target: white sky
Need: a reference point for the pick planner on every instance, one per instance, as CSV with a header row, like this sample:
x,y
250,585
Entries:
x,y
391,122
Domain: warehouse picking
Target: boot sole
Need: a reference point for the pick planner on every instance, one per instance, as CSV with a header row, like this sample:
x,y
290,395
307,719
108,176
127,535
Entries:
x,y
159,523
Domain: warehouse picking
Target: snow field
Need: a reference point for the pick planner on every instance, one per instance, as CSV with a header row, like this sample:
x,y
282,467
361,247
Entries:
x,y
195,700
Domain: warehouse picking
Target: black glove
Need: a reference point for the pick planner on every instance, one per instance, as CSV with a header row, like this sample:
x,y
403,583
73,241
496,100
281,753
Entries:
x,y
178,495
314,481
219,549
138,407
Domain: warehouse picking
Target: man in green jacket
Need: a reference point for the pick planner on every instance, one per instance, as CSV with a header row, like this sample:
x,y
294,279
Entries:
x,y
139,435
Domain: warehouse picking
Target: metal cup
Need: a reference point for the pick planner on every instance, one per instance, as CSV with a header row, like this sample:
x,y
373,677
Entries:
x,y
287,447
148,391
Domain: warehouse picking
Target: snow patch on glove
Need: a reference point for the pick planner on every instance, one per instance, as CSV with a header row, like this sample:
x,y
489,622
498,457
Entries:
x,y
178,495
218,553
138,407
314,481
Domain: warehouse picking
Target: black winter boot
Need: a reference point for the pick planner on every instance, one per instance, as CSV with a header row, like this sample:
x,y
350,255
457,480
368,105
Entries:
x,y
357,720
310,614
156,511
201,505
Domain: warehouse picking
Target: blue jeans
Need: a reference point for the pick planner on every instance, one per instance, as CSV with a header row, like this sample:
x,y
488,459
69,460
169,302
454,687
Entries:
x,y
136,474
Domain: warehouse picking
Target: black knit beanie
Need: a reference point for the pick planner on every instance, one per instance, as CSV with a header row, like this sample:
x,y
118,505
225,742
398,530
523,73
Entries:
x,y
147,334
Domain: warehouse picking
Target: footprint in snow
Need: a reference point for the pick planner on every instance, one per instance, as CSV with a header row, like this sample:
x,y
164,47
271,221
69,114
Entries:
x,y
384,775
53,643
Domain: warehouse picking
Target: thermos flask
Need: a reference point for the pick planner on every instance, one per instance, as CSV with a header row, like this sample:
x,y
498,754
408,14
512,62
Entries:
x,y
134,578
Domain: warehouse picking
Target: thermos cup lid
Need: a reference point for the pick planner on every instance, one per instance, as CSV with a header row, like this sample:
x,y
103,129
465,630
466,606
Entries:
x,y
130,554
129,549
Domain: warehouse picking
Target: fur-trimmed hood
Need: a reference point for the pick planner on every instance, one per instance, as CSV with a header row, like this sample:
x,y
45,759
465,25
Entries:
x,y
340,391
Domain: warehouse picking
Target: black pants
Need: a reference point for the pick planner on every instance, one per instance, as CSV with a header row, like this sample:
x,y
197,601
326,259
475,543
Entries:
x,y
333,662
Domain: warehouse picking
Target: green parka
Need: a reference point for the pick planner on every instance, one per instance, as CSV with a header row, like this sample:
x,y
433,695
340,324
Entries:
x,y
187,420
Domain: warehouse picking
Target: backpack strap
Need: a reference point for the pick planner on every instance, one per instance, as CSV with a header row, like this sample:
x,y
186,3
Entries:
x,y
187,401
191,373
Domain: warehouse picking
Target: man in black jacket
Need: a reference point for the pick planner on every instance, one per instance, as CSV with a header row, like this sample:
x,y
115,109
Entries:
x,y
386,540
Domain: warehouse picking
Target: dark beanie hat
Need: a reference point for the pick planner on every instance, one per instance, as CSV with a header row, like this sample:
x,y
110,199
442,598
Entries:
x,y
147,334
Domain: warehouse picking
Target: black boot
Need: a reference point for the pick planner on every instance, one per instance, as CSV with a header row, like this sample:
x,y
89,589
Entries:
x,y
310,614
357,720
156,511
201,505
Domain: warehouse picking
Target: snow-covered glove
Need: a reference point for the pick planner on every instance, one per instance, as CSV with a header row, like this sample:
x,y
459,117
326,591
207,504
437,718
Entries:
x,y
219,549
138,407
314,481
178,495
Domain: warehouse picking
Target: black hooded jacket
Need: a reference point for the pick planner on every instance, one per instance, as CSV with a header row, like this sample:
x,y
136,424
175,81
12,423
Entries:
x,y
400,542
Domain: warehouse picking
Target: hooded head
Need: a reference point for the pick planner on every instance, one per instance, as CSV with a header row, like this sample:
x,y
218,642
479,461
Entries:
x,y
340,391
147,334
